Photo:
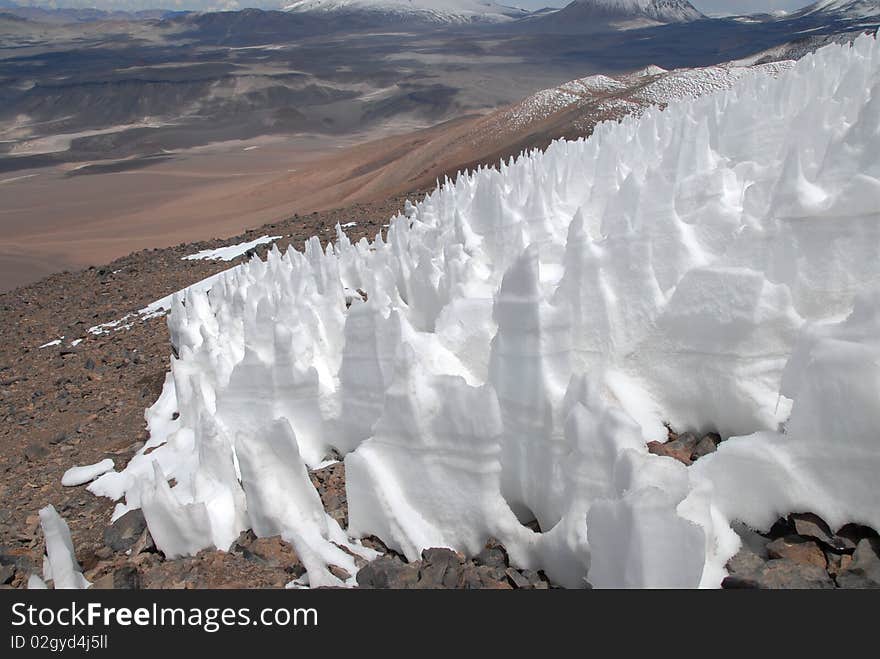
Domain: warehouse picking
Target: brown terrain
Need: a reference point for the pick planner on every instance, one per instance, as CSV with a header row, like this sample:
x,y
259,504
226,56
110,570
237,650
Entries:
x,y
65,217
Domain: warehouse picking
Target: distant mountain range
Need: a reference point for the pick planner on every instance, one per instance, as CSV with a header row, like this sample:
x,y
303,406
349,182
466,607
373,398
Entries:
x,y
852,9
596,12
597,15
439,11
578,16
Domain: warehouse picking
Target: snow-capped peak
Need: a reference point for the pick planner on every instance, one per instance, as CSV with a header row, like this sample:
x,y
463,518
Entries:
x,y
845,8
667,11
435,11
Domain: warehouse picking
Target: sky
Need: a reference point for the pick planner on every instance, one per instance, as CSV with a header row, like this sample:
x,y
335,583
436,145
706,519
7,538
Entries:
x,y
712,7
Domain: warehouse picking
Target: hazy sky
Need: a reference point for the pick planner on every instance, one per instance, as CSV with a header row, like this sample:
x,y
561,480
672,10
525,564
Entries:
x,y
706,6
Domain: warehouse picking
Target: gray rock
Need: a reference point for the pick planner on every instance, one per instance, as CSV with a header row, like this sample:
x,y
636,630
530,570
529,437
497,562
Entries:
x,y
748,570
7,572
864,571
536,580
484,577
441,568
746,564
517,580
493,555
125,531
18,557
704,447
35,452
124,578
783,573
388,572
751,539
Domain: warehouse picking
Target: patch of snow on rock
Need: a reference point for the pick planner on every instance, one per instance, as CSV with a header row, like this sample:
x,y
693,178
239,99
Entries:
x,y
230,252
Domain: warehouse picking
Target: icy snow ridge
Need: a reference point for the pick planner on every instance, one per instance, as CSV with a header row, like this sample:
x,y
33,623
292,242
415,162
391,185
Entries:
x,y
525,330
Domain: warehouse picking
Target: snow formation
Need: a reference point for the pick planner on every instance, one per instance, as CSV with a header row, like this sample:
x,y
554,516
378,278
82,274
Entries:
x,y
79,475
505,352
59,563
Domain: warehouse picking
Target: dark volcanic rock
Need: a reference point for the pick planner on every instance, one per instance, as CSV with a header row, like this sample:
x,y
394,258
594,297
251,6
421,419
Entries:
x,y
125,531
441,568
126,577
388,572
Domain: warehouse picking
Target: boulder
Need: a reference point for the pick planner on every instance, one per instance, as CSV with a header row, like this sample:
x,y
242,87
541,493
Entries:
x,y
122,534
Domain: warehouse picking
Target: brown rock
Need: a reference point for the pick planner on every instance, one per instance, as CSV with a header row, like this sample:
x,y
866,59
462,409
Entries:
x,y
797,549
275,552
338,572
810,525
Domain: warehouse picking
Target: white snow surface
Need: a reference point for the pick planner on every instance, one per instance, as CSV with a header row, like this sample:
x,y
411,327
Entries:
x,y
86,473
527,329
230,252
